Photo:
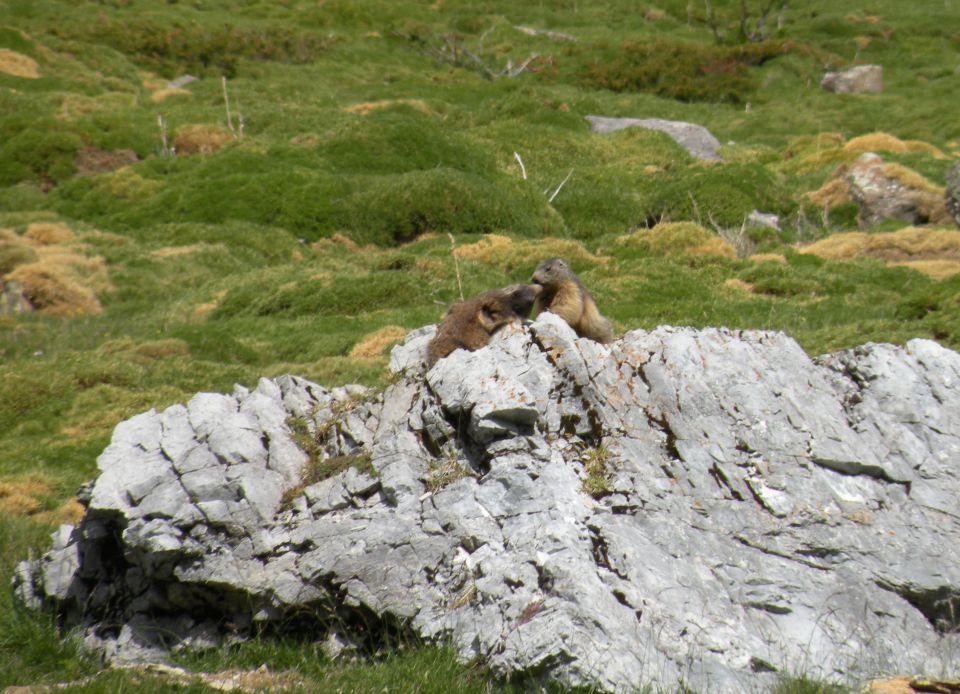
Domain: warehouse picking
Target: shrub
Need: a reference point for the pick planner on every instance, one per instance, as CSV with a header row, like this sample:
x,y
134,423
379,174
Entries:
x,y
396,209
683,71
181,46
39,149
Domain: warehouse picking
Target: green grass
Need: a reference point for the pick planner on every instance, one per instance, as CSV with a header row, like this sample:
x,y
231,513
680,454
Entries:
x,y
215,275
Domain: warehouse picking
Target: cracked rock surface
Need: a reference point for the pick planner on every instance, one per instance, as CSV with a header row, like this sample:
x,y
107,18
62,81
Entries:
x,y
760,512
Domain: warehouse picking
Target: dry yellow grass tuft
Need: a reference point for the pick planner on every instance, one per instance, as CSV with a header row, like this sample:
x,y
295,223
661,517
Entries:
x,y
768,258
70,512
934,269
935,252
367,107
177,251
23,497
18,65
884,142
834,192
162,95
508,255
738,285
49,233
54,292
203,309
200,139
839,246
341,242
374,344
678,237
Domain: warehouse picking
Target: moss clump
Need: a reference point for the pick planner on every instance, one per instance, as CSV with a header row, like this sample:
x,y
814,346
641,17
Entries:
x,y
669,238
682,71
187,46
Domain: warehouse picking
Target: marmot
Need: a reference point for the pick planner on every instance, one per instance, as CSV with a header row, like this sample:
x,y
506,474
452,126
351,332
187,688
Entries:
x,y
469,324
564,294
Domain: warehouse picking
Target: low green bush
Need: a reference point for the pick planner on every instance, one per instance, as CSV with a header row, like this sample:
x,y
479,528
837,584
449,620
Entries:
x,y
679,70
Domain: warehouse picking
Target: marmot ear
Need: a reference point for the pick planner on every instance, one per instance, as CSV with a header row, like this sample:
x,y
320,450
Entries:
x,y
487,315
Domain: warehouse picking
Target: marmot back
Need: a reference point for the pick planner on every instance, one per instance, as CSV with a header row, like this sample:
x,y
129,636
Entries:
x,y
564,294
469,324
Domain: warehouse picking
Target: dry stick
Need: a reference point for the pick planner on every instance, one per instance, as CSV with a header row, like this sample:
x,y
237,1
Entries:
x,y
165,150
226,100
456,263
523,169
550,199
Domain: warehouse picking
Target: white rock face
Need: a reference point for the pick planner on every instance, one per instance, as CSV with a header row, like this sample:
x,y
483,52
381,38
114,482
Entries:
x,y
763,512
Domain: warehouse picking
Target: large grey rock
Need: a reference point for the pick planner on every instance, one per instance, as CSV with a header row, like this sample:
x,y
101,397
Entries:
x,y
696,139
762,512
862,79
884,192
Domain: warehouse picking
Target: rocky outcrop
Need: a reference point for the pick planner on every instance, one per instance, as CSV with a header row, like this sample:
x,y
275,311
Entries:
x,y
697,140
862,79
705,506
952,194
887,191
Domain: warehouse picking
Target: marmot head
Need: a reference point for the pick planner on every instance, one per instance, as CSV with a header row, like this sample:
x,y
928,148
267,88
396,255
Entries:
x,y
521,297
551,272
494,311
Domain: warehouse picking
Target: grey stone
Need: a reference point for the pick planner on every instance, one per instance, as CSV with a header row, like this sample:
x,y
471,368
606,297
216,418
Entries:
x,y
883,195
766,512
412,352
862,79
696,139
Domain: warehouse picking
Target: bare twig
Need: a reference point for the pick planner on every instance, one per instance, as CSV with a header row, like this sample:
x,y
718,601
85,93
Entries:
x,y
738,238
550,199
696,208
523,169
552,35
165,149
226,100
510,71
456,263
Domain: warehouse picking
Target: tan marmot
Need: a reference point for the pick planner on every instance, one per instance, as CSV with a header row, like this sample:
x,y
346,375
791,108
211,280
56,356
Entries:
x,y
564,294
469,324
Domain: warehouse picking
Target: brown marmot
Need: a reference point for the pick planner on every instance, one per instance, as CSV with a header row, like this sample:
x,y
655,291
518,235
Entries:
x,y
564,294
469,324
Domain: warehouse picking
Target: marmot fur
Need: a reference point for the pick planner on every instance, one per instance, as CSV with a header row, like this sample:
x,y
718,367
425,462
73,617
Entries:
x,y
469,324
564,294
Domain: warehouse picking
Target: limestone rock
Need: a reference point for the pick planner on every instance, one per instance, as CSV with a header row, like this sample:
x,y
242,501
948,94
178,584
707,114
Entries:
x,y
763,512
697,140
862,79
952,195
890,191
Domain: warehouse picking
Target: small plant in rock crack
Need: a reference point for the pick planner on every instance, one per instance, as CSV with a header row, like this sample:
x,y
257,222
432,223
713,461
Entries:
x,y
320,466
446,470
596,466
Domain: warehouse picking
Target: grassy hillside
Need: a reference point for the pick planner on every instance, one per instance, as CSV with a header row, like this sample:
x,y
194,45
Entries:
x,y
317,189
